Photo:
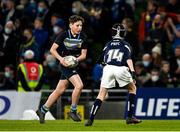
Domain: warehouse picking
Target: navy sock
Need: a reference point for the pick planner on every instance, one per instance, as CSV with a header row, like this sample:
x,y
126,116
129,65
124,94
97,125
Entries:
x,y
44,109
95,108
131,101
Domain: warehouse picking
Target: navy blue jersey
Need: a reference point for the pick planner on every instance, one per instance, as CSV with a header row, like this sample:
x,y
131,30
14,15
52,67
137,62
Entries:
x,y
70,45
116,52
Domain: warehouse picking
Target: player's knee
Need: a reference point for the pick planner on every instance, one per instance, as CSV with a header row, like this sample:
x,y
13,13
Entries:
x,y
60,90
132,88
79,87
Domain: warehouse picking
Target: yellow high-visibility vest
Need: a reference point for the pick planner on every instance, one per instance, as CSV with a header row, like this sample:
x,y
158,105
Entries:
x,y
32,72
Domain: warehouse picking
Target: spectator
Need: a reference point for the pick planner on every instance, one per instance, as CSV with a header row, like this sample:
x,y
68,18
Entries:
x,y
175,65
10,80
28,8
41,37
165,74
51,71
121,9
8,46
142,75
173,6
156,56
147,17
154,81
10,13
30,73
131,37
156,34
173,36
29,43
58,28
147,62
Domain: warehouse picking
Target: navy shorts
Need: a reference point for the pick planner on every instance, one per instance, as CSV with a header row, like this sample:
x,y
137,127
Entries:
x,y
66,72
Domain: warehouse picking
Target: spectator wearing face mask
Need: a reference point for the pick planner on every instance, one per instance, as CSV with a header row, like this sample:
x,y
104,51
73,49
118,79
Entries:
x,y
147,62
43,12
51,71
29,43
57,28
155,80
9,73
8,46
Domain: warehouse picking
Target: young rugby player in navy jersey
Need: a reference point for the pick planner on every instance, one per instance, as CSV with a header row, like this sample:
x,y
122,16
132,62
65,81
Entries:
x,y
71,42
118,67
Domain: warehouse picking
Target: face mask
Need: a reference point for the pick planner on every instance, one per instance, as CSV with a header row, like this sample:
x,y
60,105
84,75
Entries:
x,y
7,74
154,78
157,25
55,29
7,30
146,63
51,64
74,10
40,9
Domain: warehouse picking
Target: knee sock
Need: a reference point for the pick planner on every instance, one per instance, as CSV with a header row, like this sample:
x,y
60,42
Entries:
x,y
44,109
95,108
131,105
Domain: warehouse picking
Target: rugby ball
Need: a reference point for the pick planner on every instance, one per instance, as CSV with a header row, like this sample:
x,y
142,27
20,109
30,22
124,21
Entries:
x,y
71,61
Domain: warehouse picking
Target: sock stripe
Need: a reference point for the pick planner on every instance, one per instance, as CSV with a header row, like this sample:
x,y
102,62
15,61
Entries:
x,y
92,109
128,108
95,110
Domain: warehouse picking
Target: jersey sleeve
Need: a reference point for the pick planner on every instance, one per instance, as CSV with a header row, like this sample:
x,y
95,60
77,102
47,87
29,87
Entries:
x,y
128,49
84,44
60,38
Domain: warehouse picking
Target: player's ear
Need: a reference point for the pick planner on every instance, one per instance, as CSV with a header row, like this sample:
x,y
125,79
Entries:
x,y
70,25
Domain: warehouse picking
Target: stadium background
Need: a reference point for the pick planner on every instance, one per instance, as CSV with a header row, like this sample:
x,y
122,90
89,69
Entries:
x,y
150,29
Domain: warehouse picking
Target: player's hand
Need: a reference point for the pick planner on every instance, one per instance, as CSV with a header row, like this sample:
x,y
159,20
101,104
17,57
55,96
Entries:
x,y
133,74
62,61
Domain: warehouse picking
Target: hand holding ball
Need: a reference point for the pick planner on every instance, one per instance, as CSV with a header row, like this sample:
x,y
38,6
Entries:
x,y
71,61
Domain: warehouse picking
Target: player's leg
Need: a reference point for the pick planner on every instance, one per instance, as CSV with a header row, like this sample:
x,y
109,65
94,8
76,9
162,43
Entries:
x,y
60,88
97,104
78,86
131,104
107,81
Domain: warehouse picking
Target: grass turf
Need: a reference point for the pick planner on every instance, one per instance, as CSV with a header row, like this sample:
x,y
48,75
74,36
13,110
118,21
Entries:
x,y
99,125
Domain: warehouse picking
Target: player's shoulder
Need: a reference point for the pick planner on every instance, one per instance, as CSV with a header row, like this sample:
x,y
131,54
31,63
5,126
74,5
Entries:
x,y
63,34
127,45
83,35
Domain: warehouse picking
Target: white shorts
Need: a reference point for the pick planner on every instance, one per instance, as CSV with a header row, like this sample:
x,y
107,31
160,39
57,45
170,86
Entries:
x,y
113,73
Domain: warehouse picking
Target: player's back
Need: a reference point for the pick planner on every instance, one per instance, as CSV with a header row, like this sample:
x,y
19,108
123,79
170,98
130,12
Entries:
x,y
117,52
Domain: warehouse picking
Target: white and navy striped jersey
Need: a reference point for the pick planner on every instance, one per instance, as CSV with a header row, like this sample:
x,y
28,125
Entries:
x,y
70,45
116,52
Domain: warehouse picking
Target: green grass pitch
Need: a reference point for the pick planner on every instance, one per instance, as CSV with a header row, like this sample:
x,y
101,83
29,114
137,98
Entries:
x,y
99,125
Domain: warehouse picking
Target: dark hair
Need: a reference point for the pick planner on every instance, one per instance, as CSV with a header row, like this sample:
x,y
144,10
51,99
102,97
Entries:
x,y
119,30
75,18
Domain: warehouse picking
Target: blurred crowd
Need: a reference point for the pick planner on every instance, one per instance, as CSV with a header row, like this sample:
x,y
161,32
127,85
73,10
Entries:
x,y
153,31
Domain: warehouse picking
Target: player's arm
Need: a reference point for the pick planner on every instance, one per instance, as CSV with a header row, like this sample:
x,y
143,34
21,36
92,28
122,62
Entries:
x,y
82,55
100,60
131,67
54,52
